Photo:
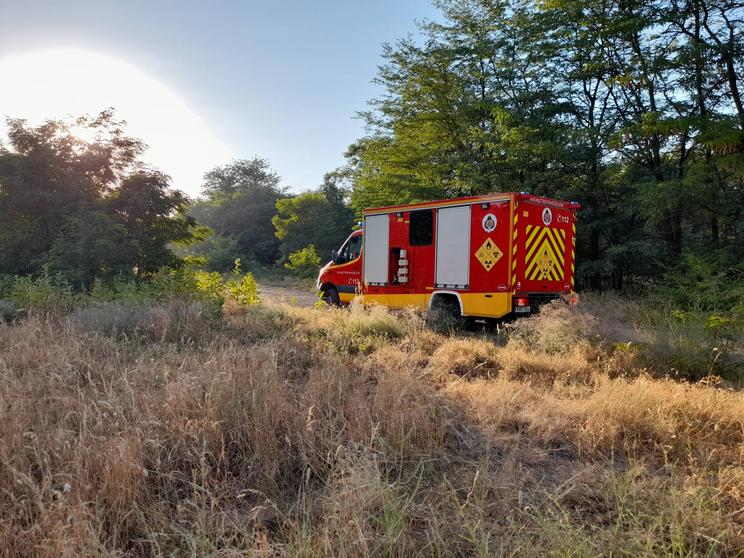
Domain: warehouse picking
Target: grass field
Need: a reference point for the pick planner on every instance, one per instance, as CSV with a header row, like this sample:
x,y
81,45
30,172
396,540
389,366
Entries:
x,y
282,431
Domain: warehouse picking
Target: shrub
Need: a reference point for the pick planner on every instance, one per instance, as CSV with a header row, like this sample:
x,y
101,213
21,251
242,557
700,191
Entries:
x,y
8,310
304,262
45,292
241,290
557,328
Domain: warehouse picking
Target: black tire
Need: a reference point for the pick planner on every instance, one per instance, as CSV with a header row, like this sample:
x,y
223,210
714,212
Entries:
x,y
331,298
444,315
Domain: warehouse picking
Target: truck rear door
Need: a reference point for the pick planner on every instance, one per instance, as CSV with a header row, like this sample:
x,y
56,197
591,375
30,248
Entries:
x,y
545,247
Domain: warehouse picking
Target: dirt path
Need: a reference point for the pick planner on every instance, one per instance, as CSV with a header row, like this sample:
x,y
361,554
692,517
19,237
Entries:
x,y
301,296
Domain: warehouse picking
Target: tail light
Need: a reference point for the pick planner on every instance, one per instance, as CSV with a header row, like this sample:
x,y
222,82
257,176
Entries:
x,y
522,301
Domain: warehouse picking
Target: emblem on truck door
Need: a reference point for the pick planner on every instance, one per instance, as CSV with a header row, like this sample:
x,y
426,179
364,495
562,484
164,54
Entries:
x,y
547,216
489,222
488,254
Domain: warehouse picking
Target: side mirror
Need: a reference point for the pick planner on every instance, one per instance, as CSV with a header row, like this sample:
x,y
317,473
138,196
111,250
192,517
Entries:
x,y
334,256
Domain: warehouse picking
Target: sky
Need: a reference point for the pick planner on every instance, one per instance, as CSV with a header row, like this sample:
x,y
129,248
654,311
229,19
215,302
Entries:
x,y
205,82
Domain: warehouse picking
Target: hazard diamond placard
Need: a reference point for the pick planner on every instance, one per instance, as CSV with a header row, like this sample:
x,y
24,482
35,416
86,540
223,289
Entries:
x,y
488,254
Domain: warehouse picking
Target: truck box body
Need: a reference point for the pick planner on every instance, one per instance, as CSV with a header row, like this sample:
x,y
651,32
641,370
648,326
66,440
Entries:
x,y
486,252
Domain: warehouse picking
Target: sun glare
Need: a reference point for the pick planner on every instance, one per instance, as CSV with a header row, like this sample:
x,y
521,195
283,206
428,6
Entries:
x,y
64,82
85,133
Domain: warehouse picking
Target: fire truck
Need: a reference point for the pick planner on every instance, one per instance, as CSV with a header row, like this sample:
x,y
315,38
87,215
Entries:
x,y
487,256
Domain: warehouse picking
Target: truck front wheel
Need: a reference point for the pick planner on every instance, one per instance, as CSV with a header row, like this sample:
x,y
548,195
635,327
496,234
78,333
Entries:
x,y
330,296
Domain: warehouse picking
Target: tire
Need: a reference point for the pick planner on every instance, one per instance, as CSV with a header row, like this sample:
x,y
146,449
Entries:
x,y
331,298
444,315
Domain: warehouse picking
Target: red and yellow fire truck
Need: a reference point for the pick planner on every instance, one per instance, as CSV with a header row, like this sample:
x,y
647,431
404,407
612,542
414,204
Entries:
x,y
483,256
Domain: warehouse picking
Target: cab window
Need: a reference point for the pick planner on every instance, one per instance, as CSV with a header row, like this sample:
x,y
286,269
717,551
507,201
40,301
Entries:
x,y
351,249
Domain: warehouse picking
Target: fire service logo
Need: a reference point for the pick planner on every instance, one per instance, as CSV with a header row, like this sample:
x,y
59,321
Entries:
x,y
547,216
489,222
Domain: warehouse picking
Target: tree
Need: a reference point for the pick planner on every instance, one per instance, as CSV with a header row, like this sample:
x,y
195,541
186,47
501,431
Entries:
x,y
632,108
239,202
154,216
320,218
304,262
92,246
59,193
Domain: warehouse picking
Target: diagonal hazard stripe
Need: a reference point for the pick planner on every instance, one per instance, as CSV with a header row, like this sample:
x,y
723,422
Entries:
x,y
558,247
531,235
554,269
537,242
557,243
546,252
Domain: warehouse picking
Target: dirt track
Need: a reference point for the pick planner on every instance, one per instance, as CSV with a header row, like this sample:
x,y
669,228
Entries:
x,y
304,297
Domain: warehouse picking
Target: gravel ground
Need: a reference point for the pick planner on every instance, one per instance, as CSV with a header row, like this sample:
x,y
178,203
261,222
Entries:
x,y
303,296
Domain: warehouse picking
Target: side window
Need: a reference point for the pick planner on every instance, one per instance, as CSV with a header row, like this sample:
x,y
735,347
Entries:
x,y
355,247
350,250
421,231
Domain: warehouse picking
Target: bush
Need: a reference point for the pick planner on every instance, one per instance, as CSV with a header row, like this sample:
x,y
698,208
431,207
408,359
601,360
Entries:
x,y
45,292
304,263
241,290
557,328
8,310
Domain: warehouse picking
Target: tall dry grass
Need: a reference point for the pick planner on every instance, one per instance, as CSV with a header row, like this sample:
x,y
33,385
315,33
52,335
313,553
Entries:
x,y
279,431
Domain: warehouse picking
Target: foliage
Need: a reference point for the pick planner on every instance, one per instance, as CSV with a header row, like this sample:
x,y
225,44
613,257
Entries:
x,y
92,246
243,290
154,217
319,218
304,262
84,208
49,291
633,109
8,311
238,204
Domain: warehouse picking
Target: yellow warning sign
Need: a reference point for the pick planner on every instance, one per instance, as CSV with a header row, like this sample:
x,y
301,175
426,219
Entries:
x,y
488,254
546,248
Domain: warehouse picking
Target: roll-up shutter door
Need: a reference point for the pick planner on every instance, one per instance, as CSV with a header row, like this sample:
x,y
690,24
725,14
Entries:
x,y
453,247
376,237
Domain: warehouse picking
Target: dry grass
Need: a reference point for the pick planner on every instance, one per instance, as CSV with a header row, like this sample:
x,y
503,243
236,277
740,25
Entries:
x,y
279,431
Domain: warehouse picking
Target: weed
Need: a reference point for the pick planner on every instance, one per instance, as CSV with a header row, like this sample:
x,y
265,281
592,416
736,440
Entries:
x,y
171,428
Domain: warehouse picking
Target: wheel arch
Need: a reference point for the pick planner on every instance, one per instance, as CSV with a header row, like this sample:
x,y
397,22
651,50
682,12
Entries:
x,y
326,286
443,294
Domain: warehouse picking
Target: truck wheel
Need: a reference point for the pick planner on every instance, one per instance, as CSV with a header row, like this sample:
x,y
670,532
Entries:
x,y
331,298
444,315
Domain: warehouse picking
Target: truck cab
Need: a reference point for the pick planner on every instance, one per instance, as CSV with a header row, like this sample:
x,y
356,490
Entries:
x,y
339,279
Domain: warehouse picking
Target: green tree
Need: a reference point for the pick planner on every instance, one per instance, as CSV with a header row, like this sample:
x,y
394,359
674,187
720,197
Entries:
x,y
320,218
239,202
53,185
304,262
92,246
154,216
632,108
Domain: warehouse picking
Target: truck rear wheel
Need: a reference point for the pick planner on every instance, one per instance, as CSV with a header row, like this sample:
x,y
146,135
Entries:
x,y
331,298
444,314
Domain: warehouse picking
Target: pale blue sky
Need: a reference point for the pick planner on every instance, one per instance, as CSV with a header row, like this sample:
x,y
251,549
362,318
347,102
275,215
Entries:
x,y
279,79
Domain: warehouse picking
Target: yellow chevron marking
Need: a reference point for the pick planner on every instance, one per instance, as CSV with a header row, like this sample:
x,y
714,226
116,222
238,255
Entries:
x,y
545,257
540,234
531,233
558,247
